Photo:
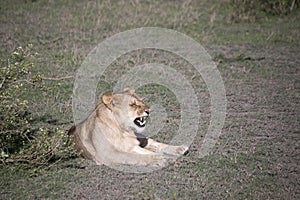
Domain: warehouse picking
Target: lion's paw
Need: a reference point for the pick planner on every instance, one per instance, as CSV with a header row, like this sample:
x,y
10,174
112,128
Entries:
x,y
176,150
182,150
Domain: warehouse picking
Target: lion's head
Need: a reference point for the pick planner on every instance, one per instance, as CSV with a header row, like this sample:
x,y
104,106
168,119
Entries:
x,y
128,109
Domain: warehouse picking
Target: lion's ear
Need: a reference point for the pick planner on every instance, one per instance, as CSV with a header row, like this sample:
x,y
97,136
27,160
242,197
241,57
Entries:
x,y
107,99
129,90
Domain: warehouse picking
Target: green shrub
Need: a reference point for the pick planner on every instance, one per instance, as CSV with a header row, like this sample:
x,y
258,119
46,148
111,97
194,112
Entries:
x,y
19,141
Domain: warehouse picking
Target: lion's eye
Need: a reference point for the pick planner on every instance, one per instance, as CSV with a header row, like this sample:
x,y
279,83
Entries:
x,y
134,105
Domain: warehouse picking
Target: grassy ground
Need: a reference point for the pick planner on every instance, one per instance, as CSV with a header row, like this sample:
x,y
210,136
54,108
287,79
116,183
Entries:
x,y
257,155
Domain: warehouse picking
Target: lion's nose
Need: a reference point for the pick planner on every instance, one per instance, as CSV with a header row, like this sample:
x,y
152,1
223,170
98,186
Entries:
x,y
147,112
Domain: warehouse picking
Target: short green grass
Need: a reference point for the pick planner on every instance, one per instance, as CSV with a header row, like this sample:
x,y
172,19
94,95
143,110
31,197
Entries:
x,y
253,158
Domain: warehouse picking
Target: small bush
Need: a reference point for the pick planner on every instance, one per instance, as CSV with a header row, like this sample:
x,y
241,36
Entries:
x,y
19,142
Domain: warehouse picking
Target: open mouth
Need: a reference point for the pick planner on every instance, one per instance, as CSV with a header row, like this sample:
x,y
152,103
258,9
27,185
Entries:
x,y
141,121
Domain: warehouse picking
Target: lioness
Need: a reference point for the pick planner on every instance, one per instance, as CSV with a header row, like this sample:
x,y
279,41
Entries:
x,y
111,134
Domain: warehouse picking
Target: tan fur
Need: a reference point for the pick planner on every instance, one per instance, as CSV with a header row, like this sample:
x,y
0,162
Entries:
x,y
108,136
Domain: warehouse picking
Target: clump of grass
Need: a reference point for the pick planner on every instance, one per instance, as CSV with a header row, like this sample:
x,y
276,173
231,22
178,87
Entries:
x,y
279,7
251,10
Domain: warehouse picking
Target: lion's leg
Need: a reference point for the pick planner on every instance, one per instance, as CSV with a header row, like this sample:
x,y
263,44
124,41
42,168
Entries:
x,y
141,157
127,152
158,147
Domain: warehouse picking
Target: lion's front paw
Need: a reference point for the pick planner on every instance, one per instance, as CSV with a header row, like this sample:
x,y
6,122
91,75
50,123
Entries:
x,y
182,150
176,150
